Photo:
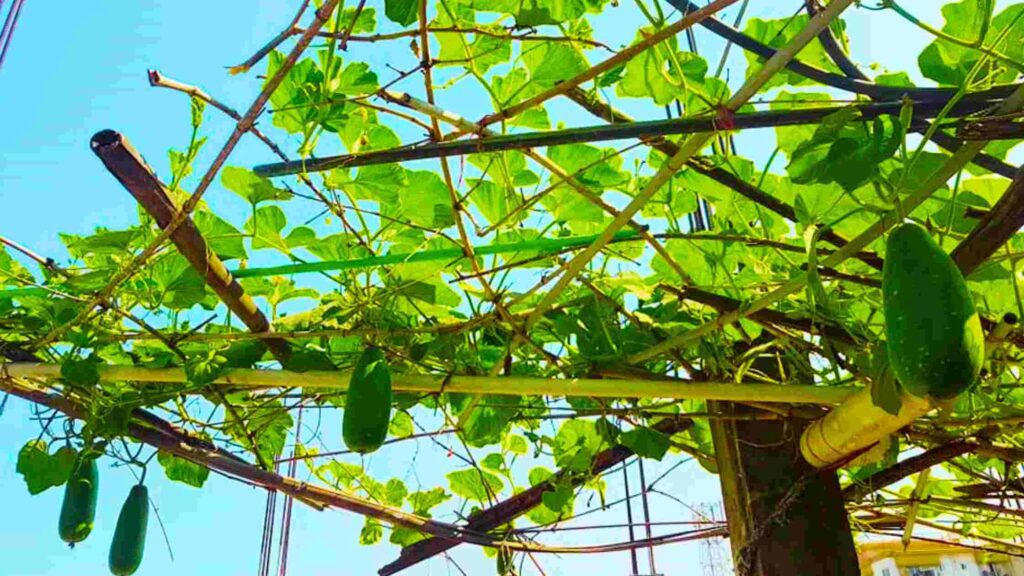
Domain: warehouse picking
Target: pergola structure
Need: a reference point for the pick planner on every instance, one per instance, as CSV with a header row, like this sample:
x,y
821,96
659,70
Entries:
x,y
732,335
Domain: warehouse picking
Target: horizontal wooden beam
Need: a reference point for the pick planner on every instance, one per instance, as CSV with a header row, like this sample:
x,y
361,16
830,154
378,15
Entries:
x,y
498,385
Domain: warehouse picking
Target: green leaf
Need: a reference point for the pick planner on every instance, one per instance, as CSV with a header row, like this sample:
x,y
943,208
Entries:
x,y
645,442
403,536
486,422
371,533
265,226
559,500
478,485
552,62
42,470
254,189
395,492
267,421
950,63
356,80
181,470
493,461
425,201
11,269
401,425
422,502
224,239
845,152
402,12
778,33
653,73
81,371
202,369
515,444
366,21
576,444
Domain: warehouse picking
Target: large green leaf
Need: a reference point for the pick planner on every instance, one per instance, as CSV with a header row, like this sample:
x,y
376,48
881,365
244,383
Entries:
x,y
42,469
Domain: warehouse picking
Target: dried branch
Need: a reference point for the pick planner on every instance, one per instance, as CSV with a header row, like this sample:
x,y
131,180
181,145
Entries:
x,y
273,44
125,164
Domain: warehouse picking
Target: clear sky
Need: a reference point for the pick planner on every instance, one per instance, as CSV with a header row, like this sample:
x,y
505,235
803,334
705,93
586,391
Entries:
x,y
78,67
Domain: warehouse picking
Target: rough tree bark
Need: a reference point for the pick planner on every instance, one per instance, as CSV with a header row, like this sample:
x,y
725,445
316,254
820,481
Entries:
x,y
784,517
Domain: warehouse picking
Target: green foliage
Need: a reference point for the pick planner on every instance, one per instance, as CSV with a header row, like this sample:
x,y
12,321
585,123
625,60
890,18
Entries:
x,y
402,12
646,442
42,469
181,470
743,218
477,485
950,63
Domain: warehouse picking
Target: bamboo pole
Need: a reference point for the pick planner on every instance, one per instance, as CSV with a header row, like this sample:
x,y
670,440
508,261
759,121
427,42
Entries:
x,y
605,132
500,385
856,424
159,434
127,165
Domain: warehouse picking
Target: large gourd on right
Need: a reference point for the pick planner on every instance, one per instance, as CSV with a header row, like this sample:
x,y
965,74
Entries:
x,y
933,333
129,542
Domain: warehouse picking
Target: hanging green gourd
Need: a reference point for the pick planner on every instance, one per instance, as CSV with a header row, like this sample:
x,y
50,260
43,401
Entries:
x,y
78,511
368,402
129,542
933,333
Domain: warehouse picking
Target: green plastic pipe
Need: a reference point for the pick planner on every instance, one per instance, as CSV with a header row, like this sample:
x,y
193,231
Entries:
x,y
543,245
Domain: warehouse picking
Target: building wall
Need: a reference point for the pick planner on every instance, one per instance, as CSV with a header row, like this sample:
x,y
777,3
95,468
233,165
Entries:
x,y
885,567
960,565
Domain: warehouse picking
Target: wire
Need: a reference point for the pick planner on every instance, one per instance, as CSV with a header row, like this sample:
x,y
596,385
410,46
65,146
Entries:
x,y
8,30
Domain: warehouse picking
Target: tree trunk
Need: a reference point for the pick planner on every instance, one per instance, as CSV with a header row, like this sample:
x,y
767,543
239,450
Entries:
x,y
784,517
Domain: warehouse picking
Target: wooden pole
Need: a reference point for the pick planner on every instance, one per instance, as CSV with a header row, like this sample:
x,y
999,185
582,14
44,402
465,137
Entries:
x,y
500,385
127,165
784,516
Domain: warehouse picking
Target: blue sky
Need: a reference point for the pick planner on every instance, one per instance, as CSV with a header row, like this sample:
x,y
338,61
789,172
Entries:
x,y
76,68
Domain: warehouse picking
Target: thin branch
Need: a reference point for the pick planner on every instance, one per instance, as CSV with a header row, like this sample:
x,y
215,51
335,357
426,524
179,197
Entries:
x,y
276,41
